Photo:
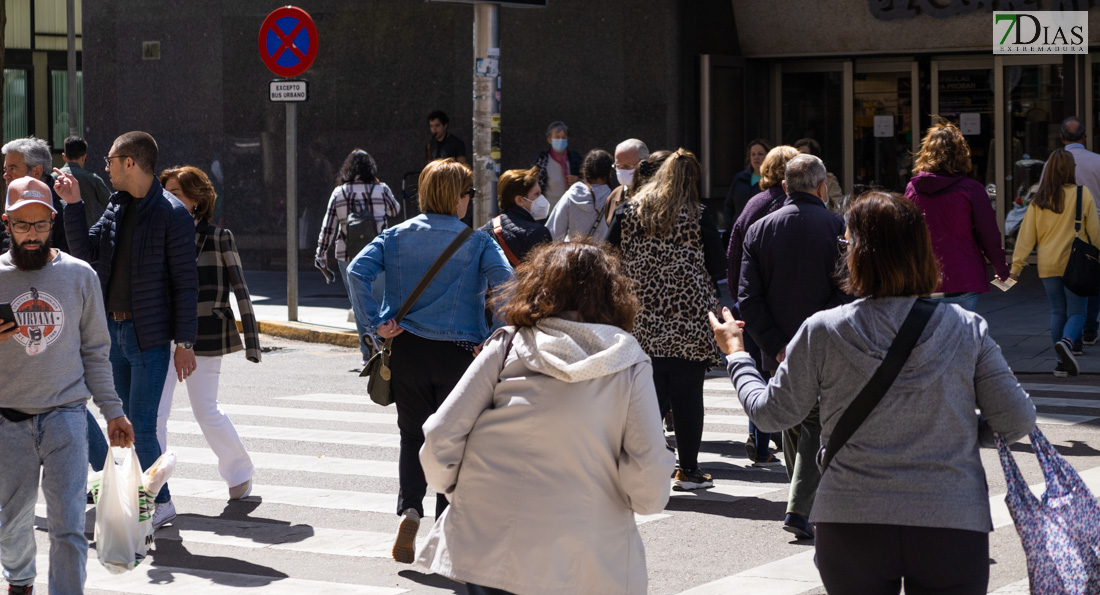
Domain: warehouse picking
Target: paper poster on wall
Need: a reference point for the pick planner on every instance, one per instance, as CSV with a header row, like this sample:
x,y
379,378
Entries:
x,y
970,124
884,126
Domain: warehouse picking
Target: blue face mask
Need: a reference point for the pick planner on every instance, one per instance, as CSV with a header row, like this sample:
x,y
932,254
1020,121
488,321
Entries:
x,y
559,144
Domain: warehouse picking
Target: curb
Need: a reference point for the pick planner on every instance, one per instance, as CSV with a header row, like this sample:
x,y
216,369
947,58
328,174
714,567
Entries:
x,y
310,333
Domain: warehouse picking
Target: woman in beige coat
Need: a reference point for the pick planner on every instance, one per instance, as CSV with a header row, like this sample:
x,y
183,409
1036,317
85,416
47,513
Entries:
x,y
556,431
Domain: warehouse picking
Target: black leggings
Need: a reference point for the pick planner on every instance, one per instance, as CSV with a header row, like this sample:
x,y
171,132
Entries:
x,y
679,384
424,373
858,559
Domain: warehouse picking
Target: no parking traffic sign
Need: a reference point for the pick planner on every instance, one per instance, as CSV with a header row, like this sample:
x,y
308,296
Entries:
x,y
288,41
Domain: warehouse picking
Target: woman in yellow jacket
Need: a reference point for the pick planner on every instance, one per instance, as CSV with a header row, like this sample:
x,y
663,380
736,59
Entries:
x,y
1049,224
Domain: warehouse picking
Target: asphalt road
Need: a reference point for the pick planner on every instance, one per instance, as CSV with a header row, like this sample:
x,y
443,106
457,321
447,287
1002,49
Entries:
x,y
321,519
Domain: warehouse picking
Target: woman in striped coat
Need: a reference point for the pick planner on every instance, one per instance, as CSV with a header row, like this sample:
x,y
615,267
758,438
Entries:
x,y
220,273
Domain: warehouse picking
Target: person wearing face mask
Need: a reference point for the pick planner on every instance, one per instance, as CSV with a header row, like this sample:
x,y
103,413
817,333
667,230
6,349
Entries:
x,y
522,205
628,154
559,166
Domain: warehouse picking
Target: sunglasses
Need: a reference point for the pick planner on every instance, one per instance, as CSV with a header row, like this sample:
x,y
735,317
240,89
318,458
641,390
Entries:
x,y
471,193
843,243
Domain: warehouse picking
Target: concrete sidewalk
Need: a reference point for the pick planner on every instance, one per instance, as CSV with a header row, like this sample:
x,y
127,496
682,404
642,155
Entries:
x,y
1019,319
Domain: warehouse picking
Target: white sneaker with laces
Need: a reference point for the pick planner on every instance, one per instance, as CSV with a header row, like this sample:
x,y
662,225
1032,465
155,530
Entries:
x,y
164,513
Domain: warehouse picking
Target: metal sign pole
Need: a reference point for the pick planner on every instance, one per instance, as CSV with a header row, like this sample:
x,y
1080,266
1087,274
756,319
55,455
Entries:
x,y
486,122
292,211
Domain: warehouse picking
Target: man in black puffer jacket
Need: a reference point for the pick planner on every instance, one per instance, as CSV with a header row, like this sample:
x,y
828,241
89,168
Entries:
x,y
143,250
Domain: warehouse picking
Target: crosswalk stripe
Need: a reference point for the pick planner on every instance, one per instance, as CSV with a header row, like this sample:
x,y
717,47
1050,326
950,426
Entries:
x,y
147,579
1057,402
279,536
297,434
1060,388
1062,419
330,398
290,462
726,420
797,574
307,414
722,402
1023,586
293,496
723,384
722,492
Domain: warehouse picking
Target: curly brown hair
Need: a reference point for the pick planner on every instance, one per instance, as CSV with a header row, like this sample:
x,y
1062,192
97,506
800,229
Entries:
x,y
570,276
944,151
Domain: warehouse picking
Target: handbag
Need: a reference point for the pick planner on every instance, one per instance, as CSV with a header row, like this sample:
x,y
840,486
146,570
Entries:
x,y
378,367
1060,532
1082,274
362,227
880,381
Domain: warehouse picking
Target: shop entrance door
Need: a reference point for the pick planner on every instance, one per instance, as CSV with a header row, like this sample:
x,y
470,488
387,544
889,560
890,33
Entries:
x,y
963,92
885,99
810,99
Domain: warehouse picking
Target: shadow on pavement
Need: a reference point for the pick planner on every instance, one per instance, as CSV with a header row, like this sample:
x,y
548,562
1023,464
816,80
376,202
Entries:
x,y
433,580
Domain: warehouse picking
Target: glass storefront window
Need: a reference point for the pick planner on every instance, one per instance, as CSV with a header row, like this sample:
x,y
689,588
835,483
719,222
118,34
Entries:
x,y
59,106
883,129
1033,120
811,107
967,100
16,114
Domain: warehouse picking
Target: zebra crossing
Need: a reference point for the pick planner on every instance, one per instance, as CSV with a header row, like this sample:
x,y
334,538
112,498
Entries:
x,y
374,444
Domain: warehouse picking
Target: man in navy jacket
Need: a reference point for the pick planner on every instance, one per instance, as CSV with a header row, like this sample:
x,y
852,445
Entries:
x,y
787,274
143,250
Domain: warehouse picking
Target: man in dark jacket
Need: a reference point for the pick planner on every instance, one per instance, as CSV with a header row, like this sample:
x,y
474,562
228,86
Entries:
x,y
143,250
788,274
522,204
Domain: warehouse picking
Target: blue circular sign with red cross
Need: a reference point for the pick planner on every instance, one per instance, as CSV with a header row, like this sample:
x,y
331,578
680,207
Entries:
x,y
288,41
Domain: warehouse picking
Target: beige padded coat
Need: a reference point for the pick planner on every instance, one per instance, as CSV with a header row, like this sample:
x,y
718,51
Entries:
x,y
546,455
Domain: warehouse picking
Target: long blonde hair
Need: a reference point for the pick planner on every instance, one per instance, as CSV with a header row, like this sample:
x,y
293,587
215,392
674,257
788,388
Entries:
x,y
675,186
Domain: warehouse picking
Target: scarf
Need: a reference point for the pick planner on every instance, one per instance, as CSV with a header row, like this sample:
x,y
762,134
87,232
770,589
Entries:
x,y
562,159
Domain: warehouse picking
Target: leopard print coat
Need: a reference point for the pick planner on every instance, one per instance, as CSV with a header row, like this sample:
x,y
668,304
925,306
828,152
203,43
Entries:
x,y
673,286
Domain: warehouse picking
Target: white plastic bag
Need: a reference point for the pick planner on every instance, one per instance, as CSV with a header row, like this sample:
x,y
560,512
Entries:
x,y
123,516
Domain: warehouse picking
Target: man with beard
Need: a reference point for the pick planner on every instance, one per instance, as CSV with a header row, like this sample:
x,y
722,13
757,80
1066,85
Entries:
x,y
59,320
32,157
143,250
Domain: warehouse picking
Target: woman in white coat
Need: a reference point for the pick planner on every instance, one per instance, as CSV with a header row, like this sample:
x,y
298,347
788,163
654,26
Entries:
x,y
558,415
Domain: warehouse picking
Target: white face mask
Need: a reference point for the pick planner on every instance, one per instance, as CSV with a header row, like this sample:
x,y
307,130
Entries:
x,y
625,176
540,208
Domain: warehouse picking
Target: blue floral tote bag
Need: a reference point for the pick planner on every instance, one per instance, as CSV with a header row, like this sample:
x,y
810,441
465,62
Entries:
x,y
1060,531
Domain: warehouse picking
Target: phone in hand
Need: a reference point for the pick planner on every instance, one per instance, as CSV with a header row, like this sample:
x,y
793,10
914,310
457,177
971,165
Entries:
x,y
6,315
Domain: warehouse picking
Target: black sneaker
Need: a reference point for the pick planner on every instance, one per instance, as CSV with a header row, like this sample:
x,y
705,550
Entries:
x,y
1078,348
1064,349
750,447
20,589
1060,371
691,479
799,525
1090,338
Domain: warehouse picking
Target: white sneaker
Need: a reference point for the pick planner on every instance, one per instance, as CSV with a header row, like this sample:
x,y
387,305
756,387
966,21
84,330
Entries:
x,y
404,546
164,513
240,492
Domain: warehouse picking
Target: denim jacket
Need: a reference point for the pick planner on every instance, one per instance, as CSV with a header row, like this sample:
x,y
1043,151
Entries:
x,y
452,308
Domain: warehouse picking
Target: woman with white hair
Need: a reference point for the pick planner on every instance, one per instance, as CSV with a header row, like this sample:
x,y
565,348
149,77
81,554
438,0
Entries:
x,y
559,166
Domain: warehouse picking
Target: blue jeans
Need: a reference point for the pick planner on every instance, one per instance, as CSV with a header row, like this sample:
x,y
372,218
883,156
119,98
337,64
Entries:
x,y
139,380
1067,310
1092,312
378,289
97,444
968,301
56,444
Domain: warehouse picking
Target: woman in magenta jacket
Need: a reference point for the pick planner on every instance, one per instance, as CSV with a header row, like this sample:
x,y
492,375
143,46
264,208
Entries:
x,y
961,220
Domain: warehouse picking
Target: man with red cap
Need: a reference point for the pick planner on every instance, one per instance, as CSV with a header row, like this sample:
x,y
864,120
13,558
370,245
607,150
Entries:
x,y
59,320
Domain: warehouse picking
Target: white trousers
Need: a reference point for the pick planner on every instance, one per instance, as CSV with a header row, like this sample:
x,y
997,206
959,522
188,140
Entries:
x,y
234,464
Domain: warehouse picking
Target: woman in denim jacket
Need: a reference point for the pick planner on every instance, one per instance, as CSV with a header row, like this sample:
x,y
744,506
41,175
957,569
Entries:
x,y
445,326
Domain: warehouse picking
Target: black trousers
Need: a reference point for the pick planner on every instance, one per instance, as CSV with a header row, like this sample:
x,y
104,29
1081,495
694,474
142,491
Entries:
x,y
859,559
679,384
424,373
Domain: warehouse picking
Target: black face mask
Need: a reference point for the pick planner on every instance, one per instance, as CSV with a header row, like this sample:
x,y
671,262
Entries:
x,y
30,260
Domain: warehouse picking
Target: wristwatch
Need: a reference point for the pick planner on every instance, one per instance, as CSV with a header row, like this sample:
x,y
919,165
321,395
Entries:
x,y
186,344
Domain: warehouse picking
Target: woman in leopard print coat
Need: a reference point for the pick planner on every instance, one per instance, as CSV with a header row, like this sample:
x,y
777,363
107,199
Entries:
x,y
672,251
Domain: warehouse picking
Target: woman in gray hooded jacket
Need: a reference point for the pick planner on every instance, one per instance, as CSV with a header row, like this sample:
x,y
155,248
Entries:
x,y
906,497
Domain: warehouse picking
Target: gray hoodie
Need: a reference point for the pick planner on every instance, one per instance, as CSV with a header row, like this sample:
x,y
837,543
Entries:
x,y
577,212
915,460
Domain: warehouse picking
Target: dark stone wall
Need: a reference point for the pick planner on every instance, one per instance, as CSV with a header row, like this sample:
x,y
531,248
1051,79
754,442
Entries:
x,y
611,70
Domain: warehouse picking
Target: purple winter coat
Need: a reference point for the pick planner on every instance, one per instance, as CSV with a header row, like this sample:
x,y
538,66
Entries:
x,y
963,228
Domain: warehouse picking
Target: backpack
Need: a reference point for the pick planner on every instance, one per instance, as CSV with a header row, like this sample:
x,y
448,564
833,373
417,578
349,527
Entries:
x,y
362,226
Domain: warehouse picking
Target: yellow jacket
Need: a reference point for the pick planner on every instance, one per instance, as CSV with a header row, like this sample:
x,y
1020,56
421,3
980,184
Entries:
x,y
1053,232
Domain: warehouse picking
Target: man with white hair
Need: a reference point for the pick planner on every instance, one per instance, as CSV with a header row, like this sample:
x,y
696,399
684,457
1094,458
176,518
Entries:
x,y
628,154
787,274
32,157
53,357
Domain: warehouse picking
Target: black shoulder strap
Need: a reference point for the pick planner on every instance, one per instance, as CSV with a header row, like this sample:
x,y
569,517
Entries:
x,y
883,377
1077,219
